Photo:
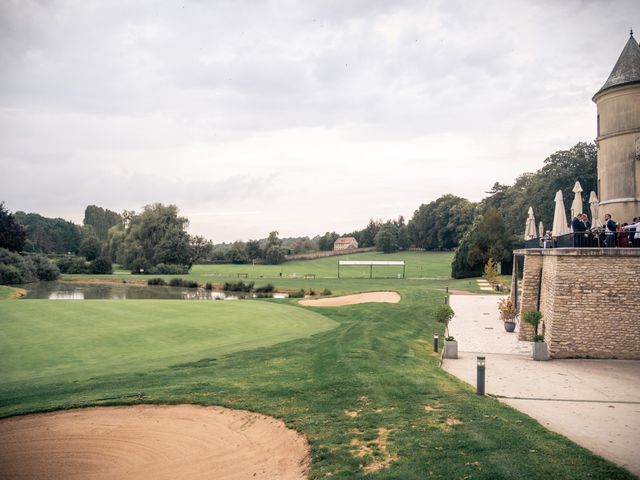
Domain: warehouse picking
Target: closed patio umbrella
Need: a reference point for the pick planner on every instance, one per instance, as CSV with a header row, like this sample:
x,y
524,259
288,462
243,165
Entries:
x,y
530,226
576,205
559,217
594,206
541,230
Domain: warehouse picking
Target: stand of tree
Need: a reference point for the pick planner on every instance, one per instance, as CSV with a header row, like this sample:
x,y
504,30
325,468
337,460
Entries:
x,y
152,241
155,240
500,227
560,172
49,235
486,238
440,225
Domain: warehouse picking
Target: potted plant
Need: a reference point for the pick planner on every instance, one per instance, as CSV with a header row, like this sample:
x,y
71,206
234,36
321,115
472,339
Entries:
x,y
508,313
540,350
450,347
444,313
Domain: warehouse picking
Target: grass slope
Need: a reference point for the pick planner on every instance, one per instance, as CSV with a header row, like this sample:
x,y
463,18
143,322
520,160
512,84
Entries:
x,y
42,340
368,394
428,269
11,293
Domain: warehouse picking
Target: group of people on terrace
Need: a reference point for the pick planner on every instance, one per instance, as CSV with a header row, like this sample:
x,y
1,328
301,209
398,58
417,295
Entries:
x,y
609,235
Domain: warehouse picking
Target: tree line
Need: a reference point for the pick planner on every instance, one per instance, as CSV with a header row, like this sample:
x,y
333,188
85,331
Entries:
x,y
155,240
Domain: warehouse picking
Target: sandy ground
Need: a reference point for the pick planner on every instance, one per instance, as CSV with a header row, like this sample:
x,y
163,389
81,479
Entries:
x,y
595,403
369,297
151,442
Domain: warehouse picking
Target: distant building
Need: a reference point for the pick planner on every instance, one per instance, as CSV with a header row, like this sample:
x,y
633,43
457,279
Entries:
x,y
345,243
618,141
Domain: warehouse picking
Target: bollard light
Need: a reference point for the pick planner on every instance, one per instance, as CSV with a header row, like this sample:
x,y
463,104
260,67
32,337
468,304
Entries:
x,y
435,342
480,376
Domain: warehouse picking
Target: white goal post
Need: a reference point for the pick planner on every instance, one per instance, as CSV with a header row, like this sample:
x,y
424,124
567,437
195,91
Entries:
x,y
371,264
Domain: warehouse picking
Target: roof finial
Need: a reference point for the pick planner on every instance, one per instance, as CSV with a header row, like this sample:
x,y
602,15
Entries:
x,y
631,32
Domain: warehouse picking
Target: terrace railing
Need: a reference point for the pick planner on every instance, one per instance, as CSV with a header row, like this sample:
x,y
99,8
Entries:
x,y
595,239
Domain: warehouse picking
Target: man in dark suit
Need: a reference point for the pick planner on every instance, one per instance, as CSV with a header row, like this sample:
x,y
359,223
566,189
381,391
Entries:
x,y
578,227
609,231
588,236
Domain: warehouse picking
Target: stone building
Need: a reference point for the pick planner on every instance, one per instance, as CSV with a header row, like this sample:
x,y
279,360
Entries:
x,y
345,243
618,140
589,296
589,299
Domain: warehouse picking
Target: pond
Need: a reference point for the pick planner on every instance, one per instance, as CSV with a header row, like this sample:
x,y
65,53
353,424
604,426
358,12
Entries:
x,y
125,291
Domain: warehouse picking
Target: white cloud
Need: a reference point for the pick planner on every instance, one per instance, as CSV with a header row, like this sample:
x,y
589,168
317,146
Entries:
x,y
297,116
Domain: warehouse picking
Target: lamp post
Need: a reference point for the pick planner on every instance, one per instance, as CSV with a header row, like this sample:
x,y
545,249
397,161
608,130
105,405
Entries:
x,y
435,342
480,376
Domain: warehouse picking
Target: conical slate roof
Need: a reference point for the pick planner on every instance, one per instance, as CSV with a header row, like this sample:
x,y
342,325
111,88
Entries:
x,y
627,68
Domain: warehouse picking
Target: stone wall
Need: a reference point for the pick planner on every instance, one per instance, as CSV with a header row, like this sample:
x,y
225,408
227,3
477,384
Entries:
x,y
589,298
528,297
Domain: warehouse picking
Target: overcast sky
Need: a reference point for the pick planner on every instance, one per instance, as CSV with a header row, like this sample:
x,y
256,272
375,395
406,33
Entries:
x,y
297,116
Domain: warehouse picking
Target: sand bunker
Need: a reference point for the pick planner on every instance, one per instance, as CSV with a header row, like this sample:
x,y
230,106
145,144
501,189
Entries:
x,y
369,297
151,442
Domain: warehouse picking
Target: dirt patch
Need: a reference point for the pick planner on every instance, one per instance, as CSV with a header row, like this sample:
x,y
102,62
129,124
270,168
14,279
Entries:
x,y
369,297
17,293
135,282
377,448
151,442
460,292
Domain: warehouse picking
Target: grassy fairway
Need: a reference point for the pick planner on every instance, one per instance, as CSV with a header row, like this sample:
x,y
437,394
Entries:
x,y
419,264
369,394
427,269
42,340
10,293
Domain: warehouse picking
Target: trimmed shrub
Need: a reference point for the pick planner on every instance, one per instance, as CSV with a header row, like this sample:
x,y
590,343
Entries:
x,y
208,286
156,281
140,266
101,266
180,282
533,318
326,291
298,294
10,274
268,288
264,295
444,313
72,264
17,269
238,286
169,269
43,268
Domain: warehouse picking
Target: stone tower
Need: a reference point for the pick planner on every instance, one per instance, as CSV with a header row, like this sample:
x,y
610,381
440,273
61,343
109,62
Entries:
x,y
618,140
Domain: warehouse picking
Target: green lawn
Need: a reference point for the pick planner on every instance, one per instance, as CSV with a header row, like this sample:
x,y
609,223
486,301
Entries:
x,y
427,269
44,340
371,384
418,265
9,293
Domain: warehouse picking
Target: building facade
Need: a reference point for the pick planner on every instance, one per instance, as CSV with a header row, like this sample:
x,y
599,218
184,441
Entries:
x,y
345,243
618,140
588,298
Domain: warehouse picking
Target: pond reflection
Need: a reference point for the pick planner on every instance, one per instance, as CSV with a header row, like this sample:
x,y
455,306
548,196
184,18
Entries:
x,y
125,291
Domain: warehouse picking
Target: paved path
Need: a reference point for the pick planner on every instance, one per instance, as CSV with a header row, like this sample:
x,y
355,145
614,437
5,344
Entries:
x,y
595,403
